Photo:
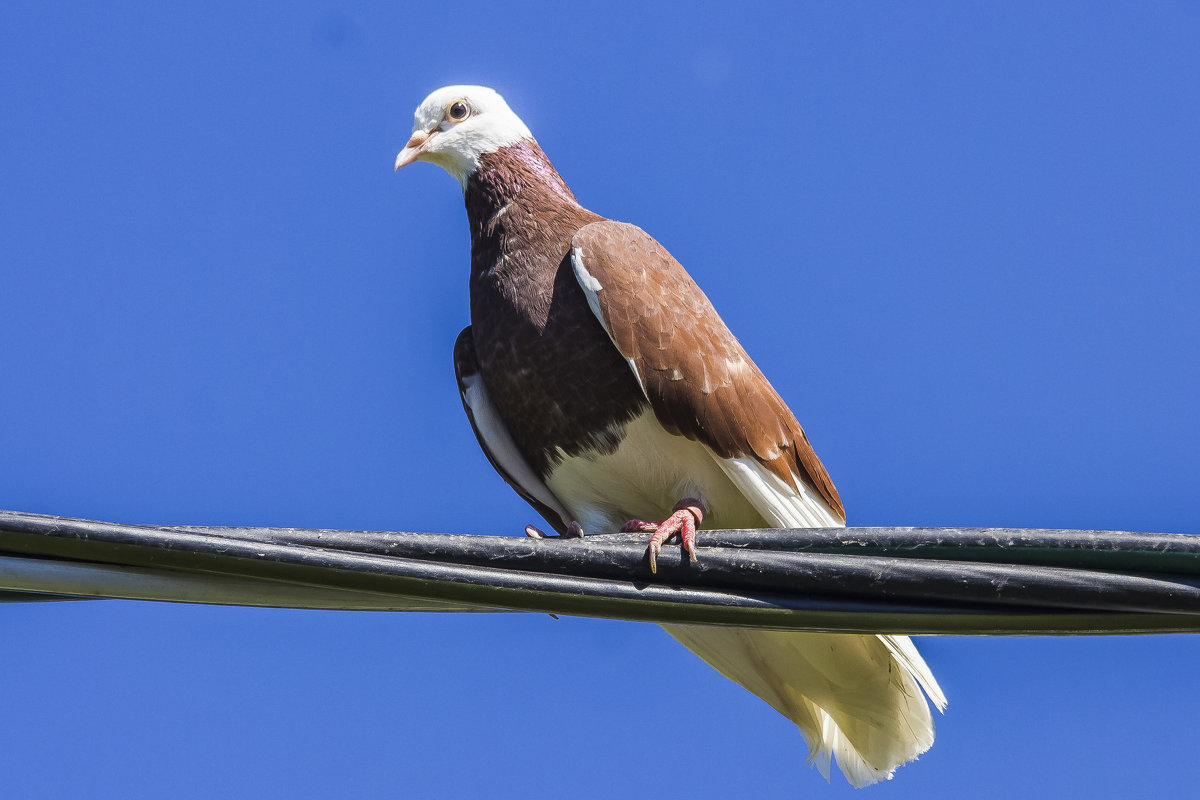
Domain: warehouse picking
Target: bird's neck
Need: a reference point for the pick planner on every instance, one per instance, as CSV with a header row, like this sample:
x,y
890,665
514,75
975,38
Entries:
x,y
515,184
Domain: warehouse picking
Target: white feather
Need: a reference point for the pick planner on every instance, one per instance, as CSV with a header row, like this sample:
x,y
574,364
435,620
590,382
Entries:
x,y
457,146
779,504
649,472
844,691
499,443
857,698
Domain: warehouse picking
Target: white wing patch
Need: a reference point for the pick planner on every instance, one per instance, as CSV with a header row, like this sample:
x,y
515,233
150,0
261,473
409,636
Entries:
x,y
591,290
586,279
499,443
780,504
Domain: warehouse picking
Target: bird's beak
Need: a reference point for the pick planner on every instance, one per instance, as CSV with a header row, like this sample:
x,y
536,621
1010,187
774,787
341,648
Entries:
x,y
416,145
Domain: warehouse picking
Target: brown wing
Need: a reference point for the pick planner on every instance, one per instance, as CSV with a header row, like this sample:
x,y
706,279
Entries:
x,y
700,382
495,439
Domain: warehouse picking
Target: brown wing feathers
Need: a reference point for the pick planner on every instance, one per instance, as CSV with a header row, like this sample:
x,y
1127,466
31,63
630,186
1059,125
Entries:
x,y
700,382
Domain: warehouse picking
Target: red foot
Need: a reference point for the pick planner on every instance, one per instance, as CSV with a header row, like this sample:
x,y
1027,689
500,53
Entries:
x,y
687,515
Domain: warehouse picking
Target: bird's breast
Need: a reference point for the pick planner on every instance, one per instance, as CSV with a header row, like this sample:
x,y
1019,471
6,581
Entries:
x,y
555,378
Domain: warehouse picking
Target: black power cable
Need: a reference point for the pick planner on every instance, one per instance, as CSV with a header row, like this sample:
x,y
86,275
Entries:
x,y
883,580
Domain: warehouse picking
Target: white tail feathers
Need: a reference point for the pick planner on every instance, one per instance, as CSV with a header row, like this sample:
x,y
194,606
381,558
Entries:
x,y
856,697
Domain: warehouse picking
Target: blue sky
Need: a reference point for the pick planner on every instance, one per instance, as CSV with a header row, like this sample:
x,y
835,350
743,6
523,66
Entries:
x,y
960,238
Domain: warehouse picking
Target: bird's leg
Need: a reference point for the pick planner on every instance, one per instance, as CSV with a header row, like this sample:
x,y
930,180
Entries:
x,y
685,518
574,531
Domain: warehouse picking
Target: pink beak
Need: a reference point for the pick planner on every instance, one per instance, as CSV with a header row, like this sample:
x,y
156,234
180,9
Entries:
x,y
414,148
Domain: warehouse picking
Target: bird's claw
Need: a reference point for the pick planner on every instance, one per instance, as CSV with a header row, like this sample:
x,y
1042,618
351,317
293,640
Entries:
x,y
574,531
685,517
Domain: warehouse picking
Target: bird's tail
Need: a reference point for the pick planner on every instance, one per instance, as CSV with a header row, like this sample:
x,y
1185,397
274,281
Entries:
x,y
856,697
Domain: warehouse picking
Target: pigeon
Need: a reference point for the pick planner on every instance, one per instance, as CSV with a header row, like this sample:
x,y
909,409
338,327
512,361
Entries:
x,y
606,390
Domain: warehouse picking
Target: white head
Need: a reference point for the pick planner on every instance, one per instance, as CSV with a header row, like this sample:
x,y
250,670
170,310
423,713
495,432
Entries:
x,y
456,125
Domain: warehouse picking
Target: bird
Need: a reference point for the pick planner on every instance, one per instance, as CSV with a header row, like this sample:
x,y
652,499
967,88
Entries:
x,y
606,390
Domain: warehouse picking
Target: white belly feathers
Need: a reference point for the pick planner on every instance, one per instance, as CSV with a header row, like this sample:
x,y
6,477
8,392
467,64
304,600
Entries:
x,y
649,472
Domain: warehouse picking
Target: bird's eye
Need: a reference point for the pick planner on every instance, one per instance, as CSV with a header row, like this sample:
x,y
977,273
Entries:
x,y
457,111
